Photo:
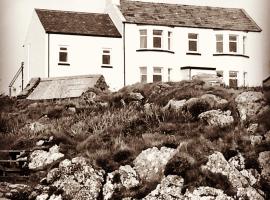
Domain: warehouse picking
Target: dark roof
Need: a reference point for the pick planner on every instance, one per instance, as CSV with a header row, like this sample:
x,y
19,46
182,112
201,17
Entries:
x,y
187,16
77,23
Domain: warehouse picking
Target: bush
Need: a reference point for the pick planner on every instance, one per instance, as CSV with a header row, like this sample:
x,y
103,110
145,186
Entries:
x,y
197,107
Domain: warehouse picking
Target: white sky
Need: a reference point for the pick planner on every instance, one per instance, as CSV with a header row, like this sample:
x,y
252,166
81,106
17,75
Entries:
x,y
15,16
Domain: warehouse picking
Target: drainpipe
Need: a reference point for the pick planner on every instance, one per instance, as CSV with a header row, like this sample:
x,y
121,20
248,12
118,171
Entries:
x,y
48,55
124,46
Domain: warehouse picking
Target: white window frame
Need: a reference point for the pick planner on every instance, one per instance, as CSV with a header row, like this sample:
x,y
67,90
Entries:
x,y
63,49
193,40
105,53
142,35
220,41
158,36
159,73
234,41
143,74
244,45
169,40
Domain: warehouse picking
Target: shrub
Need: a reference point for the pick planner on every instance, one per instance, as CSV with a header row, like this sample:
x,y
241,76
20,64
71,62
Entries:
x,y
197,107
123,157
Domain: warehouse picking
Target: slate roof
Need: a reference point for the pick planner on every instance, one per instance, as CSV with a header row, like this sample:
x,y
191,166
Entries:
x,y
77,23
187,16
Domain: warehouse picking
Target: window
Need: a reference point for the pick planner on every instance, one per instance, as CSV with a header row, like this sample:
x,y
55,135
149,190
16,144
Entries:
x,y
106,57
157,38
169,40
244,45
143,38
233,43
219,43
157,74
63,55
233,79
193,42
169,74
143,71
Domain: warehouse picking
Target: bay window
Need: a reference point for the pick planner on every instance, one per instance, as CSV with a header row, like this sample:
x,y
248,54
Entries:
x,y
143,38
157,38
169,40
143,74
233,43
157,74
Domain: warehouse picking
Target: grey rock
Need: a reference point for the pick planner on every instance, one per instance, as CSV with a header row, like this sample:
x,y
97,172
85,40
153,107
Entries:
x,y
264,161
175,105
238,162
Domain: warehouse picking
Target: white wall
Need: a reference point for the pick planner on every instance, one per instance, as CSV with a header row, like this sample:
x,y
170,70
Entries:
x,y
85,57
207,47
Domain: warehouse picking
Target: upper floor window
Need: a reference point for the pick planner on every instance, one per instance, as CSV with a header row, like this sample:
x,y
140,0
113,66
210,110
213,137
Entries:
x,y
244,45
106,57
143,72
157,38
169,40
219,43
63,55
157,74
143,38
193,42
233,43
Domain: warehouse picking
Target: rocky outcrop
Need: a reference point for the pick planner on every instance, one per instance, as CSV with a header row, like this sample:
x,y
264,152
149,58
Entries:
x,y
249,104
217,118
123,179
40,159
77,179
206,193
218,165
170,189
14,191
252,175
150,163
215,101
237,162
175,105
264,161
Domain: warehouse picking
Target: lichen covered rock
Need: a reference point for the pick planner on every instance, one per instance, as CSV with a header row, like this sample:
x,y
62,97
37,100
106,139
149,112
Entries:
x,y
217,118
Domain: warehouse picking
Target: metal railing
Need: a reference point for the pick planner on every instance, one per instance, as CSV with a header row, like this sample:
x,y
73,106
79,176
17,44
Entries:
x,y
19,72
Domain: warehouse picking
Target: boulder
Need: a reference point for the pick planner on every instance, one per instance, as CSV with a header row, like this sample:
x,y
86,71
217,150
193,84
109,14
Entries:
x,y
238,162
175,105
267,136
125,178
252,175
256,139
135,96
14,191
214,101
150,163
206,193
40,159
218,165
170,189
44,196
56,197
249,104
217,118
264,161
78,179
252,128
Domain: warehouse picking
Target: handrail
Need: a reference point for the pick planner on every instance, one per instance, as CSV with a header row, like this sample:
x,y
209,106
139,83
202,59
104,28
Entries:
x,y
20,71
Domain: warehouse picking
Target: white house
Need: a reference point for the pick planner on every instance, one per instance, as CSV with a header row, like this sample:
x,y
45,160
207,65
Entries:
x,y
135,41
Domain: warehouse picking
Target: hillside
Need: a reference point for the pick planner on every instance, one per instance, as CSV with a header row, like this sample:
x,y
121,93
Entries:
x,y
181,140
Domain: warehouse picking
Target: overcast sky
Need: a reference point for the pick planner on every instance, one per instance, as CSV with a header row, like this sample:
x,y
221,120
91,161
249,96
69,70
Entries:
x,y
15,16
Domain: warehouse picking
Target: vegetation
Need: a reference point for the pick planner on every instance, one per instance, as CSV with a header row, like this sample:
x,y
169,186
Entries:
x,y
113,135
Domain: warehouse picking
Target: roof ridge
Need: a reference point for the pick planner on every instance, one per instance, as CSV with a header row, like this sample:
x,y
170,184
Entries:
x,y
69,11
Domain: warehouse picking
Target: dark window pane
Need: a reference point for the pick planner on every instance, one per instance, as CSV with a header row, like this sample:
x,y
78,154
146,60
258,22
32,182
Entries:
x,y
192,36
233,37
106,59
233,47
192,45
157,42
106,51
233,83
219,37
157,78
63,48
62,56
232,74
219,47
157,32
143,78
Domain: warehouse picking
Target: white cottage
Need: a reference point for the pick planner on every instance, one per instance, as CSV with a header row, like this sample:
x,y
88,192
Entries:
x,y
135,41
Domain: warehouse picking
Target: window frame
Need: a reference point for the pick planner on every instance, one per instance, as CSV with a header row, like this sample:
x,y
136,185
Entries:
x,y
109,53
63,49
158,36
158,74
170,40
143,74
193,40
236,41
143,36
220,41
244,45
170,74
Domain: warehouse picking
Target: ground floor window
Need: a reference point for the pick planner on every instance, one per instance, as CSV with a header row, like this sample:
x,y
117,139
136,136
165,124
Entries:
x,y
143,72
169,74
233,79
157,74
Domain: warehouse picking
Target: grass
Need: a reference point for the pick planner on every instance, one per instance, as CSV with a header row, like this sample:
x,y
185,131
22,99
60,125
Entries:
x,y
113,136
